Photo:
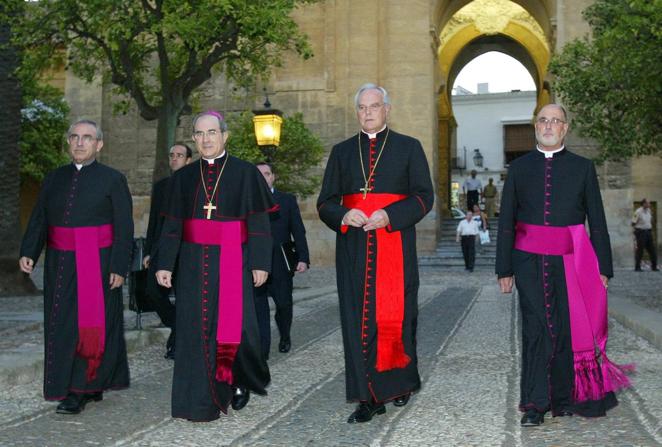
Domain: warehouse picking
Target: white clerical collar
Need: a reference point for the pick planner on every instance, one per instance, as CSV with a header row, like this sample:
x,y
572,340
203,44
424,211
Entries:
x,y
550,154
373,135
79,166
212,160
272,190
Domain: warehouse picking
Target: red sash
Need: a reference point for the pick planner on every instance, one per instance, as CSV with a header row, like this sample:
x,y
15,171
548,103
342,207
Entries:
x,y
390,283
230,236
86,242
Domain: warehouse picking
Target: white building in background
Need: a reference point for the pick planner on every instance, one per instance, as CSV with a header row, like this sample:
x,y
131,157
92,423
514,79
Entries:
x,y
498,126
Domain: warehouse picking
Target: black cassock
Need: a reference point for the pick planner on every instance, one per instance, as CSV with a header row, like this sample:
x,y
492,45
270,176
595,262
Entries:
x,y
242,195
560,191
95,195
402,169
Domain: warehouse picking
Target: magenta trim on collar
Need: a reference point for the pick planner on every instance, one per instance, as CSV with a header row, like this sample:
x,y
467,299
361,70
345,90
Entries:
x,y
229,235
86,242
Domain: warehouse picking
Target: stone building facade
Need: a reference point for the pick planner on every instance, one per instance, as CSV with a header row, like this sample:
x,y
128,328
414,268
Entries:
x,y
415,49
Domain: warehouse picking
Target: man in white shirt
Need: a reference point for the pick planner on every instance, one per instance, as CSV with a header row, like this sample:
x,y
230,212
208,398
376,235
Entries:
x,y
473,188
643,232
467,230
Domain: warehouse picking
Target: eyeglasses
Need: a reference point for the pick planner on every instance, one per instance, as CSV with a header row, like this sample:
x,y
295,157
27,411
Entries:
x,y
372,107
211,134
175,155
75,138
543,121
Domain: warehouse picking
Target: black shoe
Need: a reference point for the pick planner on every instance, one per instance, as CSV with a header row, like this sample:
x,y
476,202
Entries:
x,y
74,403
285,345
532,418
401,401
170,353
240,398
365,411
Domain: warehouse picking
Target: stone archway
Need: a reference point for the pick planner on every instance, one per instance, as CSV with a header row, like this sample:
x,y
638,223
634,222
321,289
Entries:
x,y
521,29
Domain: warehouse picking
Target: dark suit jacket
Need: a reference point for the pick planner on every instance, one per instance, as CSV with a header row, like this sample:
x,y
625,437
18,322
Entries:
x,y
156,209
286,224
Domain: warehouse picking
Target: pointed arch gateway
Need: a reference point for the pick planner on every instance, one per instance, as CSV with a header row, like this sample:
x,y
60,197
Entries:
x,y
521,29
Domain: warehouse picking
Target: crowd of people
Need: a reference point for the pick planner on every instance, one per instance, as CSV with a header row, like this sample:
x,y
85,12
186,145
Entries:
x,y
218,236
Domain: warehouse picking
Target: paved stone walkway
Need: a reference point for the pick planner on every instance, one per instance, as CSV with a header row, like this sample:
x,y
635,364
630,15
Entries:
x,y
469,361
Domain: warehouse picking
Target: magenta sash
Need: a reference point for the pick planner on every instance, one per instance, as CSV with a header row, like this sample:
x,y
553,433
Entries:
x,y
230,236
86,242
595,375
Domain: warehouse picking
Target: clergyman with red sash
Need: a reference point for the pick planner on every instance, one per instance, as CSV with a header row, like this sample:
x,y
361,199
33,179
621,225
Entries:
x,y
83,216
376,188
217,221
561,274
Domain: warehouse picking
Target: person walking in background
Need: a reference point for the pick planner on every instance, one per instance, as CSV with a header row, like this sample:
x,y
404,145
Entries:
x,y
472,187
483,225
286,225
466,233
83,215
180,155
489,195
643,233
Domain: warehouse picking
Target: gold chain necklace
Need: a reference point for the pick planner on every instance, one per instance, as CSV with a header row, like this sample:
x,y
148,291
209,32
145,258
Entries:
x,y
365,190
209,207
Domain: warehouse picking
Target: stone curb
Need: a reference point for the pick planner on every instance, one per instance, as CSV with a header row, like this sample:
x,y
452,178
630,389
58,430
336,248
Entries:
x,y
24,365
646,323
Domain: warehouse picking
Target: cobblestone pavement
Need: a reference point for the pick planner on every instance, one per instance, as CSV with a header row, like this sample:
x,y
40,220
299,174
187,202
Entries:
x,y
468,347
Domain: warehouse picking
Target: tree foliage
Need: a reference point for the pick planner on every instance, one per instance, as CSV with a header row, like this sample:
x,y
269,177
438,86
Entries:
x,y
44,123
158,52
611,81
294,161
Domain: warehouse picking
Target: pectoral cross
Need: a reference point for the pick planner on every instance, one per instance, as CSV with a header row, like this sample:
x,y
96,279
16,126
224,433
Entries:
x,y
209,207
365,190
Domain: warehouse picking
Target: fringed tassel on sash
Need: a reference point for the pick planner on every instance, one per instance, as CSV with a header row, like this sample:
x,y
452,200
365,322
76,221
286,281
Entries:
x,y
90,348
588,377
614,375
225,355
390,349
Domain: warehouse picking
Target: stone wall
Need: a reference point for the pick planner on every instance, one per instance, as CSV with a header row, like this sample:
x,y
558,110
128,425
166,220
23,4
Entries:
x,y
388,42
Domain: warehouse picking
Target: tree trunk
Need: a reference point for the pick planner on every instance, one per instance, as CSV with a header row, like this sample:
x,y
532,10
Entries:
x,y
12,281
165,138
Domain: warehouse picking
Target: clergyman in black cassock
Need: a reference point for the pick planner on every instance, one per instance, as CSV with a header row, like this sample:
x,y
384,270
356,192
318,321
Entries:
x,y
217,269
286,225
180,155
550,189
83,216
376,187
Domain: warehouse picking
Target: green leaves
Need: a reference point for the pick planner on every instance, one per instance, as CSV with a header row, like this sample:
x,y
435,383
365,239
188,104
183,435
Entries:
x,y
611,82
296,159
43,126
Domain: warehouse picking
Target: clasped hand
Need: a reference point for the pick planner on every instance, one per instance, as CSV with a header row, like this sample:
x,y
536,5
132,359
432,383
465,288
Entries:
x,y
357,218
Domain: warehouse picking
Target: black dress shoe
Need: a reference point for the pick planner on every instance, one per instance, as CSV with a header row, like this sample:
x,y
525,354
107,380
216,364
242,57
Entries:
x,y
365,411
532,418
74,403
401,401
240,398
285,345
170,353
